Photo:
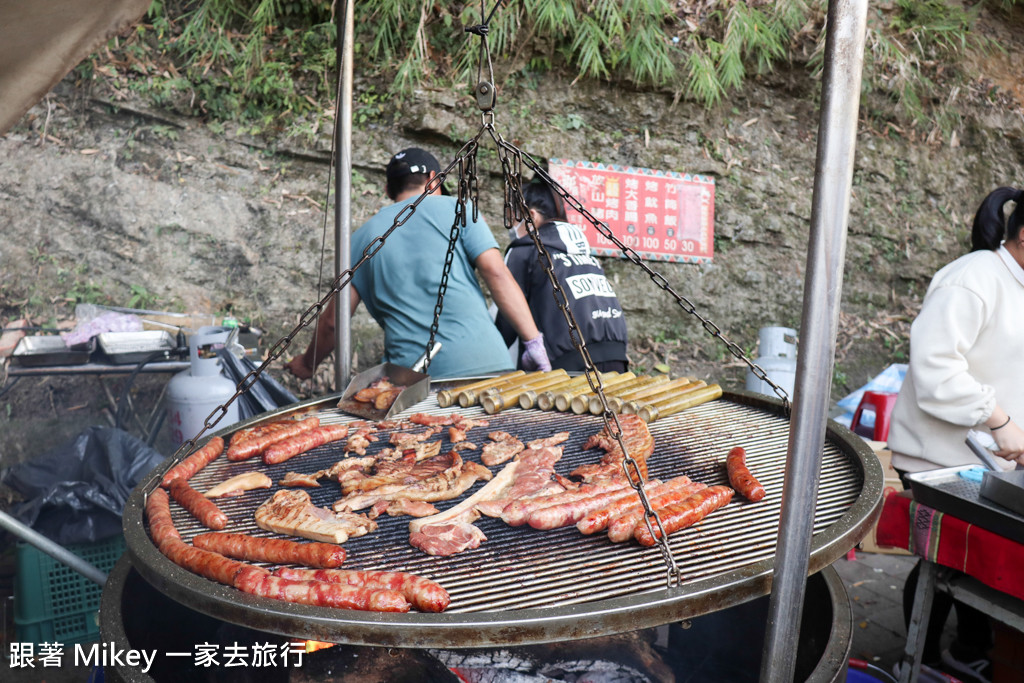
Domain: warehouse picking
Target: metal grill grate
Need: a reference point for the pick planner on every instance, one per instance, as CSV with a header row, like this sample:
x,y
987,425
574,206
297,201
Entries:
x,y
560,572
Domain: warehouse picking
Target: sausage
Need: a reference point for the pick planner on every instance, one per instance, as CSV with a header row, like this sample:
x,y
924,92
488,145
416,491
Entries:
x,y
205,563
274,550
565,514
320,593
385,399
685,513
598,520
518,512
258,441
188,467
200,507
158,512
304,441
740,477
621,528
424,594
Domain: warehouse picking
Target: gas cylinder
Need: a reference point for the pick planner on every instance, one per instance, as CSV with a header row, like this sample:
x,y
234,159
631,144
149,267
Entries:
x,y
193,394
777,357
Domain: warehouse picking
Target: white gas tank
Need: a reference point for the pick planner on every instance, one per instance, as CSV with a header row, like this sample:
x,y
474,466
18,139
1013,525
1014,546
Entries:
x,y
193,394
777,357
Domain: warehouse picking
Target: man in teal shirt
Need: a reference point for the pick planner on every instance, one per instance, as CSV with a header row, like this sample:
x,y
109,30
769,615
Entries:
x,y
399,284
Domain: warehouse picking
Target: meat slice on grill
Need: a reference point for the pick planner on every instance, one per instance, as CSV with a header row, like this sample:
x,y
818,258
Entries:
x,y
447,539
452,531
503,447
442,477
638,440
292,513
404,439
553,440
402,506
534,475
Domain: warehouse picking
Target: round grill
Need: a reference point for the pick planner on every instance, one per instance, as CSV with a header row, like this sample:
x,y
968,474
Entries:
x,y
525,586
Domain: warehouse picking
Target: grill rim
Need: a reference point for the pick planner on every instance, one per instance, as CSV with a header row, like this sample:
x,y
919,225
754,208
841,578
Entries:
x,y
499,627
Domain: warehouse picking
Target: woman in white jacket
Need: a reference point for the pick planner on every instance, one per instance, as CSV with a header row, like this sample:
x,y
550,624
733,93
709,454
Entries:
x,y
967,350
966,373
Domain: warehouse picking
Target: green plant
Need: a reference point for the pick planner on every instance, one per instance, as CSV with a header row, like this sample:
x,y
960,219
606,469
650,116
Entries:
x,y
270,66
568,122
141,298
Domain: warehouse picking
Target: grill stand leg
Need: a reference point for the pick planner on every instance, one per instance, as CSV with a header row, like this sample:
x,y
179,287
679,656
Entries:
x,y
910,665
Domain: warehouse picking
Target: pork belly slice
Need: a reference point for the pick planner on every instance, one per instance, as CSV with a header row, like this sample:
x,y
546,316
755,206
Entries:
x,y
447,539
638,440
503,447
553,440
402,506
292,513
239,484
444,484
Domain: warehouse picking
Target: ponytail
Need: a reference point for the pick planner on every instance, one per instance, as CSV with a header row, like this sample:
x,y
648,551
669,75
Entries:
x,y
541,197
990,225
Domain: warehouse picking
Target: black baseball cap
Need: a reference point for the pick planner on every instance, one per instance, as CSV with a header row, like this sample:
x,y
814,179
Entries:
x,y
412,160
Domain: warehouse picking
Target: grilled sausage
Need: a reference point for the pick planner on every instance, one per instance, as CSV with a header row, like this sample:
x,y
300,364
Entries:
x,y
621,528
200,507
205,563
188,467
304,441
685,513
599,519
158,512
740,477
424,594
517,513
274,550
565,514
258,582
259,440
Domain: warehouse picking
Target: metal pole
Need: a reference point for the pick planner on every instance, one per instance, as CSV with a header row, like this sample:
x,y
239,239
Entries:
x,y
343,200
823,284
57,552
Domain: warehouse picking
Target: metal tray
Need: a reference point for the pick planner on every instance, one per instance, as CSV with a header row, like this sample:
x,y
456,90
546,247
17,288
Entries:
x,y
1005,489
417,386
135,347
37,351
946,491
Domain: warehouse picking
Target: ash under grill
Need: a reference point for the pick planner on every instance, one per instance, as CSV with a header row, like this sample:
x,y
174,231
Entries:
x,y
523,585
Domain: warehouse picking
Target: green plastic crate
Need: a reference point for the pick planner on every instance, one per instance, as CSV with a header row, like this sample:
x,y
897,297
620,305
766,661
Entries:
x,y
55,604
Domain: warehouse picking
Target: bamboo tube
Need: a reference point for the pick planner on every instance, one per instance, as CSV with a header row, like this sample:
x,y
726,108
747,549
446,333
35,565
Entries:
x,y
529,398
563,398
691,399
665,392
642,392
495,403
581,402
448,397
546,398
626,387
469,397
524,383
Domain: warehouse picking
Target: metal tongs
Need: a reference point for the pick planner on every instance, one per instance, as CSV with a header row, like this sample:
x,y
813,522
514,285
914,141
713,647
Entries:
x,y
984,454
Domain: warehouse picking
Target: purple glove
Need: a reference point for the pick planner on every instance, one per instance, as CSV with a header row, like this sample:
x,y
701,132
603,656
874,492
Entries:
x,y
535,356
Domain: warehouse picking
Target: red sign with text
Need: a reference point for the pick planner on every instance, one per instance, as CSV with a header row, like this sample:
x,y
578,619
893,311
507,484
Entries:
x,y
662,215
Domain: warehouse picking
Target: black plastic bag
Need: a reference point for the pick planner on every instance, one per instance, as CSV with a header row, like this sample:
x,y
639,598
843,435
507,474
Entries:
x,y
265,394
76,492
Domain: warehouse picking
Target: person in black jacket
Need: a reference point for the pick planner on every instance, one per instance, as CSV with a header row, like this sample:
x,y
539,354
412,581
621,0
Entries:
x,y
590,296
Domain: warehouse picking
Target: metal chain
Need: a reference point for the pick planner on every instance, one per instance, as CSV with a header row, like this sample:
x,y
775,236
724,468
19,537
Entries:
x,y
313,312
511,165
459,222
